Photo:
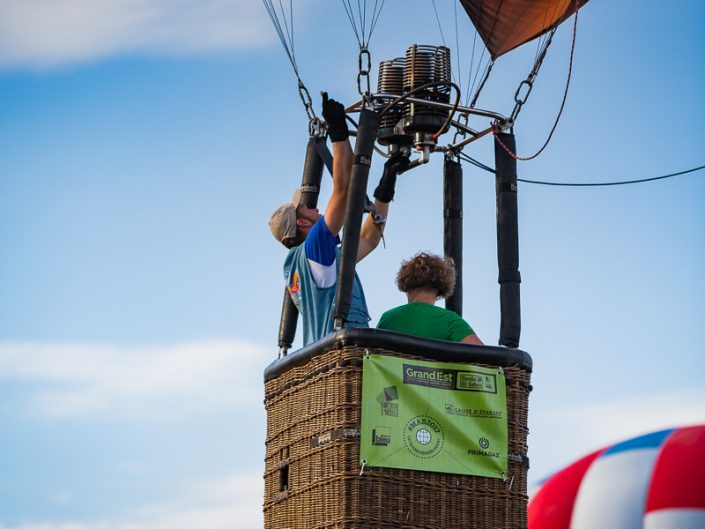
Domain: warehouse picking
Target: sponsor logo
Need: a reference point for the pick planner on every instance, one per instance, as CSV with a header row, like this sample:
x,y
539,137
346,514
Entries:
x,y
452,409
429,376
484,444
424,436
471,381
386,400
449,379
381,435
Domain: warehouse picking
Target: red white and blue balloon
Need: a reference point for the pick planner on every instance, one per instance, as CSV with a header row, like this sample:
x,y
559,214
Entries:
x,y
656,481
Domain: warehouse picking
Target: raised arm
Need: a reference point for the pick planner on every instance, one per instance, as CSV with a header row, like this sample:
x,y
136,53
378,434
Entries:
x,y
371,233
342,167
334,114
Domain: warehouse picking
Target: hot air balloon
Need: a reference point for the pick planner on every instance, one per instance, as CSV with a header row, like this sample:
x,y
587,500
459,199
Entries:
x,y
506,24
315,475
649,482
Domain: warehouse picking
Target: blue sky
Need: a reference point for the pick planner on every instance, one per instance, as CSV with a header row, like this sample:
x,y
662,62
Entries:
x,y
143,145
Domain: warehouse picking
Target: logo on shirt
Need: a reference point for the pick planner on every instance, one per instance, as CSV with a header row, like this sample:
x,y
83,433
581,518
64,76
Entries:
x,y
295,290
295,286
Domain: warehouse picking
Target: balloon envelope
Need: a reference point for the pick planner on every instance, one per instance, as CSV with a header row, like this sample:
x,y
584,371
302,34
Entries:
x,y
654,481
505,24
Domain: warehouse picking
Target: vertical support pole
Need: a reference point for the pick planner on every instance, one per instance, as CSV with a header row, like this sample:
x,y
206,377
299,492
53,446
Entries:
x,y
453,227
507,240
313,172
287,324
364,145
310,188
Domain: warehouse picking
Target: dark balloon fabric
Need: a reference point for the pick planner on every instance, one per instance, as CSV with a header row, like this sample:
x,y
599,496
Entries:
x,y
505,24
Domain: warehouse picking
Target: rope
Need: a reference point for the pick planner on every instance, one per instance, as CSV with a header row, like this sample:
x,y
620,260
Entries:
x,y
495,128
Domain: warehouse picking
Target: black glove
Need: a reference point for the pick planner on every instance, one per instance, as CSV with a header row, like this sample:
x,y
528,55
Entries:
x,y
334,114
392,167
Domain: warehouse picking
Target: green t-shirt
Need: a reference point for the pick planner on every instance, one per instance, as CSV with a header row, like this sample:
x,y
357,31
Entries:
x,y
427,321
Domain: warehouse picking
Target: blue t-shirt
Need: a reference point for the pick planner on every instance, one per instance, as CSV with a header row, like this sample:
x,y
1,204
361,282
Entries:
x,y
311,275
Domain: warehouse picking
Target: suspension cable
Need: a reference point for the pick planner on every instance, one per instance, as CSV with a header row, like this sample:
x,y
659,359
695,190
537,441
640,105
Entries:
x,y
285,32
521,99
457,46
471,79
541,41
443,40
363,33
438,21
361,29
488,70
529,81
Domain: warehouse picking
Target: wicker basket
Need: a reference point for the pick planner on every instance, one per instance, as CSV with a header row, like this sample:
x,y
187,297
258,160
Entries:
x,y
312,471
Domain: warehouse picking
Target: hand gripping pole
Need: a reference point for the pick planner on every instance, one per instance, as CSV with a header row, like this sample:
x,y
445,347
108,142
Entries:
x,y
507,240
364,146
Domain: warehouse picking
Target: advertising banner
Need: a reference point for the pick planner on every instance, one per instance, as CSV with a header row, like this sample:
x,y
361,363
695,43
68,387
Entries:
x,y
435,417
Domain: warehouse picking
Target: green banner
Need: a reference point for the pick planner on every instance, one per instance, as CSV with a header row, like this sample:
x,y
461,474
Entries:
x,y
433,417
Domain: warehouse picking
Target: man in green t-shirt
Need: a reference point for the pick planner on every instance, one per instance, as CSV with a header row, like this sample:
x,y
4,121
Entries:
x,y
426,278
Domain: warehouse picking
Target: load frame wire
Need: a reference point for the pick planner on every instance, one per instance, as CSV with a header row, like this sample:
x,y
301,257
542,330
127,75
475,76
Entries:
x,y
620,183
475,162
487,168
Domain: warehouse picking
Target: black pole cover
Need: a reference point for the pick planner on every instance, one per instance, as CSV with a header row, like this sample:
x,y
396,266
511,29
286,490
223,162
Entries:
x,y
313,172
287,323
310,188
453,227
507,241
364,146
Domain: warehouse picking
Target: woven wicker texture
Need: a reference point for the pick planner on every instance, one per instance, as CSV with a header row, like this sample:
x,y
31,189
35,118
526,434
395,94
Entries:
x,y
312,471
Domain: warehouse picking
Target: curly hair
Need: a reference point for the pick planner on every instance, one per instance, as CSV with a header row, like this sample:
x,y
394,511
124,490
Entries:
x,y
427,271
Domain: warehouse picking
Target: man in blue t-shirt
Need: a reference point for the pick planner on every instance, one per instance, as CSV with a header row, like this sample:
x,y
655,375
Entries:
x,y
311,266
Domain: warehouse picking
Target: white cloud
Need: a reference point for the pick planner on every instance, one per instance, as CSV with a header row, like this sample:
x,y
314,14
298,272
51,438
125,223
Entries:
x,y
64,380
235,501
45,33
561,435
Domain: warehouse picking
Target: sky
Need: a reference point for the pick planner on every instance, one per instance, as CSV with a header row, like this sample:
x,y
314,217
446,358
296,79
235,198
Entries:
x,y
143,146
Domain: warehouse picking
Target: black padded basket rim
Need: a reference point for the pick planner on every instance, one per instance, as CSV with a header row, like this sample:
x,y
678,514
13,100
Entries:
x,y
434,350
